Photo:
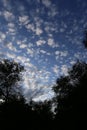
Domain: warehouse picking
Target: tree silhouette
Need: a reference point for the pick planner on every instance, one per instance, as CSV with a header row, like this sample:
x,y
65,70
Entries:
x,y
9,77
85,38
71,95
70,98
14,105
41,114
43,109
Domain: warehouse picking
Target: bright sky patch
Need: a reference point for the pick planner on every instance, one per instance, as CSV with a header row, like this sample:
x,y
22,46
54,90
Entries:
x,y
45,36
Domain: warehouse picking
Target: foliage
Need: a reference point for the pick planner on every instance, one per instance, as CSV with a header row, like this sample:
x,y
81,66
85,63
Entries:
x,y
9,77
70,98
71,90
85,38
43,109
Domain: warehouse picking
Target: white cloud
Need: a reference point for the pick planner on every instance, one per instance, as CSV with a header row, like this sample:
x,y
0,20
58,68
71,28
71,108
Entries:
x,y
50,42
20,58
10,55
53,11
47,3
23,46
11,25
64,53
30,52
46,96
11,28
77,55
38,21
30,27
47,28
61,53
11,47
40,42
8,15
38,31
57,52
18,42
50,27
24,19
72,62
2,36
62,30
43,52
55,69
64,69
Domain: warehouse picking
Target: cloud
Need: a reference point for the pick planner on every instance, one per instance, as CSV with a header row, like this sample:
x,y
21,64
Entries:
x,y
43,51
2,36
72,62
10,55
8,15
61,53
41,37
77,55
56,69
11,28
35,82
22,46
47,3
53,11
11,47
38,31
24,19
64,70
62,30
40,42
30,52
34,27
11,25
23,59
50,42
46,96
30,27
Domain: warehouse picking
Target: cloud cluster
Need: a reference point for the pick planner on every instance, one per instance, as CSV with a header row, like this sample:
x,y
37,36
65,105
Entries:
x,y
44,38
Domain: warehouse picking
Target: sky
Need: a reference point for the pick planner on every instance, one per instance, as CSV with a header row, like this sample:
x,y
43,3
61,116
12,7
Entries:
x,y
45,36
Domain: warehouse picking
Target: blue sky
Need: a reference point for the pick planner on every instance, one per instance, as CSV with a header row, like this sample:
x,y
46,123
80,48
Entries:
x,y
45,36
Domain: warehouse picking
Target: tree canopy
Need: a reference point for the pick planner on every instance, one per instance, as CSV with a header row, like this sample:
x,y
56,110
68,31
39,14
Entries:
x,y
85,38
9,77
71,95
70,101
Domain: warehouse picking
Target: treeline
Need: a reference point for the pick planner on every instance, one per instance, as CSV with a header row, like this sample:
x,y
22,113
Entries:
x,y
68,105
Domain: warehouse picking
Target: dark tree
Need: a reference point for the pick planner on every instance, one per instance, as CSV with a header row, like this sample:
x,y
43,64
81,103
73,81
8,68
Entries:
x,y
42,114
71,95
43,109
9,77
85,38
